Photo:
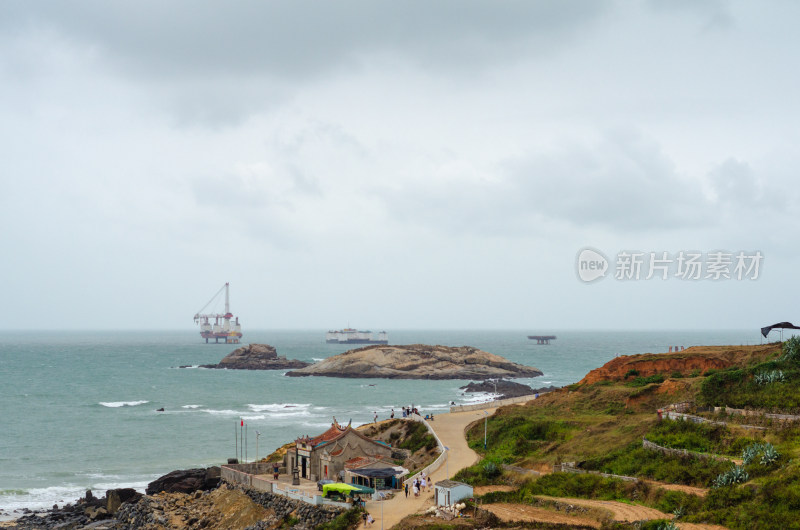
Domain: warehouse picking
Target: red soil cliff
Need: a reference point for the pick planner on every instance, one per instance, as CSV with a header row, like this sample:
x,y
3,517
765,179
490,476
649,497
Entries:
x,y
700,358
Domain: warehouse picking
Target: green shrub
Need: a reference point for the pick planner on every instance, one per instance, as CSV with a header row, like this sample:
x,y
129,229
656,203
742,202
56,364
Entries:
x,y
487,471
344,521
735,475
417,437
644,381
636,461
791,350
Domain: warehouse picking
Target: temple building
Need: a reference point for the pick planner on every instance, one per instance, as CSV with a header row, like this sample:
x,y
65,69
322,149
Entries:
x,y
324,456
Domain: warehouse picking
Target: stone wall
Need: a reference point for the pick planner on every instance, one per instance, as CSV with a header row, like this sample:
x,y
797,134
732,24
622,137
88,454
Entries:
x,y
309,515
569,467
647,444
757,413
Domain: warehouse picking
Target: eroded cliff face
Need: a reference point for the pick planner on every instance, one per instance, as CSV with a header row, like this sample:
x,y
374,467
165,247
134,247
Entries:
x,y
696,358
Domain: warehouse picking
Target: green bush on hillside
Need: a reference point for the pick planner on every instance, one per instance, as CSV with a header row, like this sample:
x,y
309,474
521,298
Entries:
x,y
698,437
636,461
417,437
750,387
791,350
487,471
644,381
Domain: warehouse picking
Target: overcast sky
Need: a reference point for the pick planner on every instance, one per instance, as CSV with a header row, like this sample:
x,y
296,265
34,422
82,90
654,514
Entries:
x,y
392,164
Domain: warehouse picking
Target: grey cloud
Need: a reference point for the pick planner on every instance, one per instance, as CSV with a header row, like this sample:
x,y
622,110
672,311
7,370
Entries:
x,y
298,37
625,184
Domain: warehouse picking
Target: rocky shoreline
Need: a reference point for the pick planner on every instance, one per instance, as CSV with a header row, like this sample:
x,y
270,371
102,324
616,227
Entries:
x,y
505,389
192,498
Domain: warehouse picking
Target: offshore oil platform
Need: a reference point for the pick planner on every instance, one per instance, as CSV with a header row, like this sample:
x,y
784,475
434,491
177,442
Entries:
x,y
230,333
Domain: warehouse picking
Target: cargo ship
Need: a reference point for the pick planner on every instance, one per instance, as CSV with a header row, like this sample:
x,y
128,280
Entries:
x,y
229,332
353,336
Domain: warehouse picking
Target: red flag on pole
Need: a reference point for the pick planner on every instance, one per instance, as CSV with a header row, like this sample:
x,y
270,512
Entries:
x,y
241,424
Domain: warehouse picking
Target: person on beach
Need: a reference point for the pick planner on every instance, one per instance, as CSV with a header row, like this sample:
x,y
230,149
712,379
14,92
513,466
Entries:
x,y
370,520
416,488
423,485
376,417
392,415
406,488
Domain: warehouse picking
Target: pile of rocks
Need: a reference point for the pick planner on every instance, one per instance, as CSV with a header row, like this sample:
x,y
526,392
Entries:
x,y
308,515
88,510
186,481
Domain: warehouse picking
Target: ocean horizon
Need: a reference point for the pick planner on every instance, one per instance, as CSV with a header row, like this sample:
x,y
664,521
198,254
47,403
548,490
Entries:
x,y
81,405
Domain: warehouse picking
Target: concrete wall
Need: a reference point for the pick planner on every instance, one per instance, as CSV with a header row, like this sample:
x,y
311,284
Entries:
x,y
436,463
493,404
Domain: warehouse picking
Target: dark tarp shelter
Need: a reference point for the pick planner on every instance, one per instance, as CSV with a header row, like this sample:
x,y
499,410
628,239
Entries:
x,y
386,475
780,325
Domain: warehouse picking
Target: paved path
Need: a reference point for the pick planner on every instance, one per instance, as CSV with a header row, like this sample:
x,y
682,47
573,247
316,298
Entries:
x,y
450,429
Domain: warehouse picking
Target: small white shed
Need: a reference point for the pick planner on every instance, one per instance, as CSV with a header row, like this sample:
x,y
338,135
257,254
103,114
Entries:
x,y
449,492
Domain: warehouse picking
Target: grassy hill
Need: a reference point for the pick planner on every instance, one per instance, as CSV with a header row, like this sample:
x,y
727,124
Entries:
x,y
746,477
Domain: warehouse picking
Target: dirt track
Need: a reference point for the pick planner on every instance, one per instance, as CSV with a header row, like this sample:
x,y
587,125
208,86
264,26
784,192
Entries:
x,y
691,490
528,514
619,510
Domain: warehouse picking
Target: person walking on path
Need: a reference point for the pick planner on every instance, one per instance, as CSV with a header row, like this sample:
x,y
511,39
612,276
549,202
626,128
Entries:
x,y
406,490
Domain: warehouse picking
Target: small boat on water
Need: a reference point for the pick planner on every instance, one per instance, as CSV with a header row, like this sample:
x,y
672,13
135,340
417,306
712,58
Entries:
x,y
353,336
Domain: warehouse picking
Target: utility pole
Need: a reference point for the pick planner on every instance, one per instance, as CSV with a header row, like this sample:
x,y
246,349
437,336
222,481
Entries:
x,y
485,428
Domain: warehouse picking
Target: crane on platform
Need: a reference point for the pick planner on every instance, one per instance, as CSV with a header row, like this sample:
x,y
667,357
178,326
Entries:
x,y
222,327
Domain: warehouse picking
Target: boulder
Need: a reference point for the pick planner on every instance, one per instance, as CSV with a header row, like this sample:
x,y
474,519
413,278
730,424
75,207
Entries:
x,y
256,357
185,481
115,498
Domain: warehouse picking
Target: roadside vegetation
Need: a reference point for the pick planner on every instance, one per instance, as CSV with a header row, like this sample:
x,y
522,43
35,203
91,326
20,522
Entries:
x,y
752,480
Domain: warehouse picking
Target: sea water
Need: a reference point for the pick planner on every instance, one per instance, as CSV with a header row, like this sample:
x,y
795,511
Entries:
x,y
79,408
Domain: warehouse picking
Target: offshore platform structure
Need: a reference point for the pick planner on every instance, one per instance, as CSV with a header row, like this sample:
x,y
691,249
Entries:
x,y
222,327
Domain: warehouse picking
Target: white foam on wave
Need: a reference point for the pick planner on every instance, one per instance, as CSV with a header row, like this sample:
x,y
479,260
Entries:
x,y
254,418
223,412
191,406
479,397
317,359
37,499
117,404
278,407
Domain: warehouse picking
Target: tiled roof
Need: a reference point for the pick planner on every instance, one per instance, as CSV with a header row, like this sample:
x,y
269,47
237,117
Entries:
x,y
331,434
358,462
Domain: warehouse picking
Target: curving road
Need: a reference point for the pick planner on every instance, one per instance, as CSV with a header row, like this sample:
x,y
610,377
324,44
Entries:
x,y
450,430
